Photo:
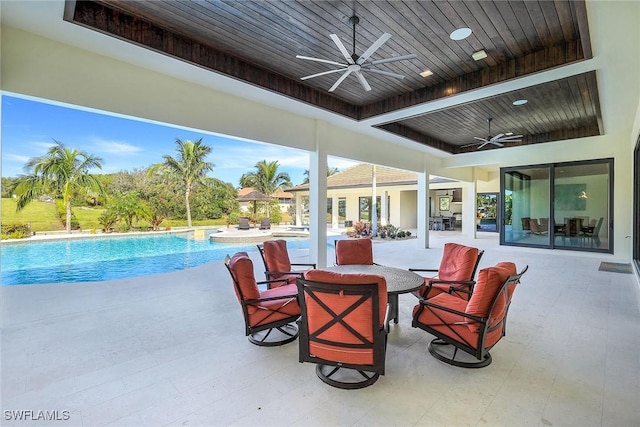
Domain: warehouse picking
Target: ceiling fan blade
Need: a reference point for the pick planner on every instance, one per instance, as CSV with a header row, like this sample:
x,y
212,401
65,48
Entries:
x,y
394,59
480,139
496,143
375,46
326,61
343,49
470,145
337,83
498,136
322,74
363,81
483,144
512,138
386,73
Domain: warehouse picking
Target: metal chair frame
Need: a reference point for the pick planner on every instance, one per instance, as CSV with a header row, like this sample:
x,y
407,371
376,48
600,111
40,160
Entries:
x,y
458,342
268,334
330,371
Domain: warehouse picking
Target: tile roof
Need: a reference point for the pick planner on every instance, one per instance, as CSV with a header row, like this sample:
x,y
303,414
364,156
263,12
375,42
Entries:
x,y
360,176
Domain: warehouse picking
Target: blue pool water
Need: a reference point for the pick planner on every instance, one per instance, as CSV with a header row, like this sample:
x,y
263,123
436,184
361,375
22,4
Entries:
x,y
96,259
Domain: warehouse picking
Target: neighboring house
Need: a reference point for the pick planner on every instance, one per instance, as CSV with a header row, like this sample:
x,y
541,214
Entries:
x,y
285,200
349,196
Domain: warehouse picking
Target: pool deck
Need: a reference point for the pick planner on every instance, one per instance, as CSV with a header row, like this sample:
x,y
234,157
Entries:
x,y
170,350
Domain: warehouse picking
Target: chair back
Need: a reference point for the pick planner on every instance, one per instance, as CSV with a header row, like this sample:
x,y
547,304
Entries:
x,y
459,262
240,268
344,320
275,256
243,223
491,299
354,252
265,224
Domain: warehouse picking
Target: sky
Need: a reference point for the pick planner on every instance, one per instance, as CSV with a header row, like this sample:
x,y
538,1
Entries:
x,y
30,127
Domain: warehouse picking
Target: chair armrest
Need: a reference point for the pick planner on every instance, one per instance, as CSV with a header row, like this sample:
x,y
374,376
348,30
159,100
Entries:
x,y
279,297
387,313
432,270
426,303
308,265
268,282
279,273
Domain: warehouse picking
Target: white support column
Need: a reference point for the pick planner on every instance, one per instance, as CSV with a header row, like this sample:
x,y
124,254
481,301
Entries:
x,y
469,208
423,210
318,202
334,212
298,217
384,207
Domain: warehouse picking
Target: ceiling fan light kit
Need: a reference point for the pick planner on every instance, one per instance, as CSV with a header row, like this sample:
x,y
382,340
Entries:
x,y
356,64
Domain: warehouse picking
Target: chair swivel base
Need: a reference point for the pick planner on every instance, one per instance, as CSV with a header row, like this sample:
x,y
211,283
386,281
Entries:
x,y
345,378
275,336
447,353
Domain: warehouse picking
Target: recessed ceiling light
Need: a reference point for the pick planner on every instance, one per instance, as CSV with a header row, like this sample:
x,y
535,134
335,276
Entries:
x,y
520,102
460,34
426,73
481,54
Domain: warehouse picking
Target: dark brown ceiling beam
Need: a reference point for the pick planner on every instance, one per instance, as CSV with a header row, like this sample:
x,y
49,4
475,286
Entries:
x,y
534,62
412,134
580,9
559,135
133,29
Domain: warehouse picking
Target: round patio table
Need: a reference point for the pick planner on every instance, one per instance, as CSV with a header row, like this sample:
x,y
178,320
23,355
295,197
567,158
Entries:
x,y
399,281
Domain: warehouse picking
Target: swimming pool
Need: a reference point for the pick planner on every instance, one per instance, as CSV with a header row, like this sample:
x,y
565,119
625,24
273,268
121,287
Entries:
x,y
97,259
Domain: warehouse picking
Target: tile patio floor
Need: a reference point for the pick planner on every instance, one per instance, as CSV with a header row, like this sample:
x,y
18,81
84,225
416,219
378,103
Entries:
x,y
170,350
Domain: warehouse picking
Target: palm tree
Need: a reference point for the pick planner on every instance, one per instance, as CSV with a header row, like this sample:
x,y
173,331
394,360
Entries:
x,y
330,171
190,166
64,171
266,178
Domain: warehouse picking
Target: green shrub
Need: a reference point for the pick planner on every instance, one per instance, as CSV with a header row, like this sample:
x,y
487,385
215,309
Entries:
x,y
15,231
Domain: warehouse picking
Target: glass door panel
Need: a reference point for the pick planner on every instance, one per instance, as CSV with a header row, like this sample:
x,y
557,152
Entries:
x,y
526,204
581,206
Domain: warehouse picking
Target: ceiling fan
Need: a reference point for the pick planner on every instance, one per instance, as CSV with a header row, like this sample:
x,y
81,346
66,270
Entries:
x,y
356,64
497,140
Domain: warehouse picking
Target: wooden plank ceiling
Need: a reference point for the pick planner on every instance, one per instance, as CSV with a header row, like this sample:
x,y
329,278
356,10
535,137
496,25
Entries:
x,y
257,42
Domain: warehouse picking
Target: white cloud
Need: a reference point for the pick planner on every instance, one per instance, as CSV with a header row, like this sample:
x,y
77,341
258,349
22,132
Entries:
x,y
113,147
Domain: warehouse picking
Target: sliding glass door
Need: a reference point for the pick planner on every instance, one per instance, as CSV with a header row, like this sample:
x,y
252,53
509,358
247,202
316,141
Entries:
x,y
526,206
562,205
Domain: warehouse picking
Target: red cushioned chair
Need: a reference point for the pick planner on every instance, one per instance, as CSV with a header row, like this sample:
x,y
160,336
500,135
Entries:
x,y
344,326
277,264
473,326
455,274
269,315
354,251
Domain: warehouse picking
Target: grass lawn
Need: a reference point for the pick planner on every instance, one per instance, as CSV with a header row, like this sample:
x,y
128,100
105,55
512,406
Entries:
x,y
88,217
42,215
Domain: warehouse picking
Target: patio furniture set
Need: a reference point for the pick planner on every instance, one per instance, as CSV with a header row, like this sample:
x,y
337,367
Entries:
x,y
341,314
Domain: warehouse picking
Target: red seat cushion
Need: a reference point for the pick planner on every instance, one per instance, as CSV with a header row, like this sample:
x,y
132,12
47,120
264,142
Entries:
x,y
354,251
360,319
